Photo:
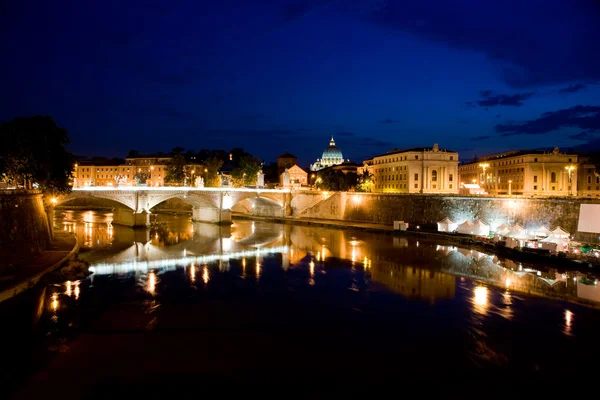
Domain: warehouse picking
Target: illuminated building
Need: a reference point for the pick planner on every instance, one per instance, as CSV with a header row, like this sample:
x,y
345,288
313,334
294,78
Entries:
x,y
331,156
286,160
297,176
415,170
527,172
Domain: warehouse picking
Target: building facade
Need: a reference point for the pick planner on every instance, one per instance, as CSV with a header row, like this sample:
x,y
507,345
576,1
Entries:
x,y
588,179
416,170
331,156
296,177
526,173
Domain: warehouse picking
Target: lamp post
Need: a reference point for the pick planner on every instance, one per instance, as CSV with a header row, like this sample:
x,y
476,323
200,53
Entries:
x,y
509,188
484,167
193,183
570,169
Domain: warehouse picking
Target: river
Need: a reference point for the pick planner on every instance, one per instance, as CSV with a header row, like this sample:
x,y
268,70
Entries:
x,y
260,305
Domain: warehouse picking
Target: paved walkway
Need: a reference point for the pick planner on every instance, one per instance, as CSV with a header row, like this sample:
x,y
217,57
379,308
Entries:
x,y
63,247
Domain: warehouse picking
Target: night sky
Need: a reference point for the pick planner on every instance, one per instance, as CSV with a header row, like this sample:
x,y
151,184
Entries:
x,y
275,76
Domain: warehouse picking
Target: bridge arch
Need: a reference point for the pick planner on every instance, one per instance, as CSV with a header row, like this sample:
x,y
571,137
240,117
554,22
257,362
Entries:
x,y
113,198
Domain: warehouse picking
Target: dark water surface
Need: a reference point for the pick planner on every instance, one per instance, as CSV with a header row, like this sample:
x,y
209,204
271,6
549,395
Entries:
x,y
295,311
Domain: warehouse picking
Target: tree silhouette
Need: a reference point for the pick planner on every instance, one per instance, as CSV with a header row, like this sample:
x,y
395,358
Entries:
x,y
33,154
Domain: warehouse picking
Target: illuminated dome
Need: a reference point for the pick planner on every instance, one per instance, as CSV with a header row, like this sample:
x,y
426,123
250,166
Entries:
x,y
331,156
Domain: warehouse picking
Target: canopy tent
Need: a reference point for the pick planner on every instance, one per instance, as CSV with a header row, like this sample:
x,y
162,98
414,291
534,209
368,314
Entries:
x,y
481,228
543,231
501,227
467,227
554,243
446,225
516,230
560,232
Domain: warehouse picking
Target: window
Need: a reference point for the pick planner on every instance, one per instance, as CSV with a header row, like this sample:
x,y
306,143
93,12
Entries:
x,y
434,176
553,178
416,185
569,160
416,157
589,188
535,159
598,179
416,177
451,158
450,178
535,187
589,179
450,186
535,179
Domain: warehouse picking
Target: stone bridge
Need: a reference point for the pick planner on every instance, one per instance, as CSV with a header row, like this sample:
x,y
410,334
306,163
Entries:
x,y
133,204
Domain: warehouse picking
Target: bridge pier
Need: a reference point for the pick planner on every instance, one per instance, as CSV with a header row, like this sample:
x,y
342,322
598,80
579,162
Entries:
x,y
125,217
212,215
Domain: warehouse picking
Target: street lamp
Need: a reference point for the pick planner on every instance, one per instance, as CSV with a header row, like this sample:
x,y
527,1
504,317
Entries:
x,y
484,167
510,188
570,168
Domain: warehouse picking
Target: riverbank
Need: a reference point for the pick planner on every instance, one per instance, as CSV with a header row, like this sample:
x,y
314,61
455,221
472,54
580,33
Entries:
x,y
19,278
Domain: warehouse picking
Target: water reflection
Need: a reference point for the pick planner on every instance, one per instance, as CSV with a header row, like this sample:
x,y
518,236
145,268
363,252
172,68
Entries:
x,y
416,269
480,299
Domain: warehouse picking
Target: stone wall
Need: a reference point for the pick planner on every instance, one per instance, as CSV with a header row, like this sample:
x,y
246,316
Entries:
x,y
24,230
427,210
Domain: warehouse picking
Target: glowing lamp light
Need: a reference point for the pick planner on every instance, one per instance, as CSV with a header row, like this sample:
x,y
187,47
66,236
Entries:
x,y
53,200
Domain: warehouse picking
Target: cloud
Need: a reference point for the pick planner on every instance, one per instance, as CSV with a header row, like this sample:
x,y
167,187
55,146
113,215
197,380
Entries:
x,y
484,137
572,88
582,117
388,120
584,135
520,37
490,99
470,104
252,117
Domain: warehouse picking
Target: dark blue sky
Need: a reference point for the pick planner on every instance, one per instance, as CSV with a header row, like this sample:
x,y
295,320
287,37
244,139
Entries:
x,y
274,76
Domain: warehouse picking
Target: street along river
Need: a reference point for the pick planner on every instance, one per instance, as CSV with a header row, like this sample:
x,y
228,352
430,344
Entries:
x,y
257,307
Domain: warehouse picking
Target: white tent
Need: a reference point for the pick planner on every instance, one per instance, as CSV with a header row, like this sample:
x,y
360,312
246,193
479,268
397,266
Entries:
x,y
446,225
542,232
516,230
554,243
501,228
481,228
501,232
560,232
467,227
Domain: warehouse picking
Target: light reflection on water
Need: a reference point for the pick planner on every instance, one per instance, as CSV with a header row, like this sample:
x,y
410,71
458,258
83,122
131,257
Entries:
x,y
176,240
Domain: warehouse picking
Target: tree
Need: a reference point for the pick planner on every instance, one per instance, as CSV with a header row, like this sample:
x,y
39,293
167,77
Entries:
x,y
141,177
133,153
246,174
211,176
33,154
364,182
331,180
175,173
177,150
